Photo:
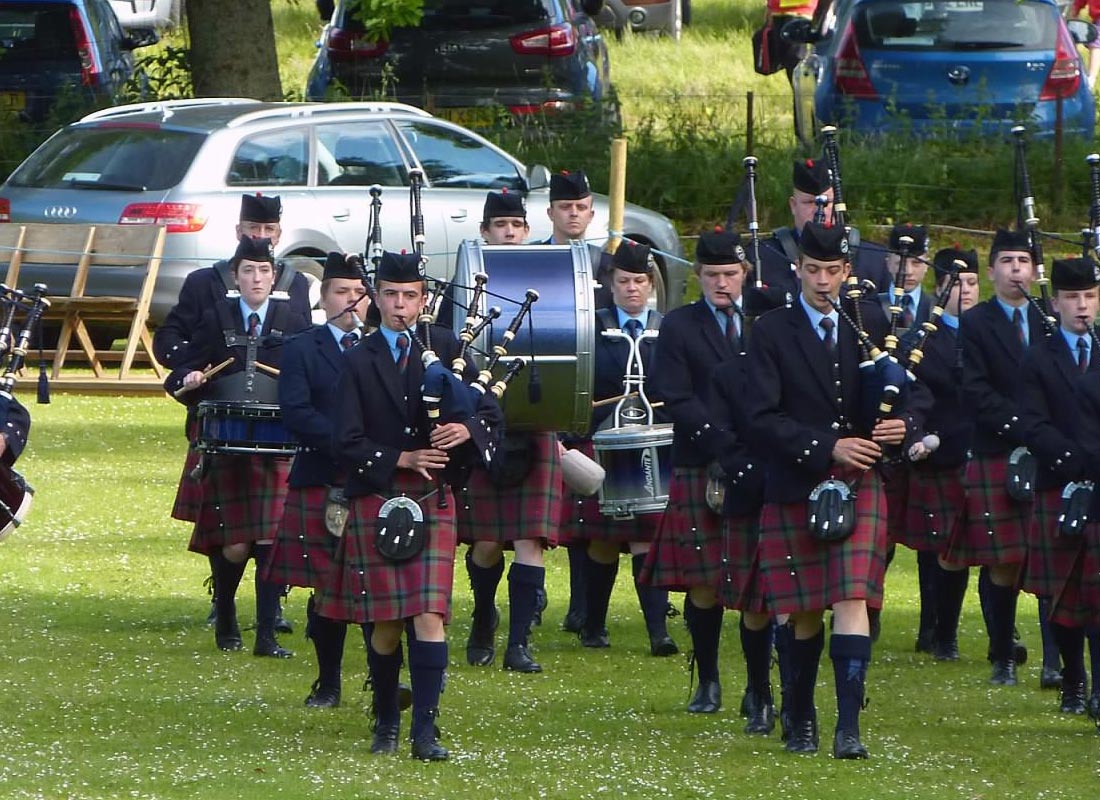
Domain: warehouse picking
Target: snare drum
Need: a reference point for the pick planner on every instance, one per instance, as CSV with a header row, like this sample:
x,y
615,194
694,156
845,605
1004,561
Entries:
x,y
638,462
15,500
562,321
243,429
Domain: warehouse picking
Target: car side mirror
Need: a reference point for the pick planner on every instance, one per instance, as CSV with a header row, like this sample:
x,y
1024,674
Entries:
x,y
799,30
538,177
1083,32
139,37
592,7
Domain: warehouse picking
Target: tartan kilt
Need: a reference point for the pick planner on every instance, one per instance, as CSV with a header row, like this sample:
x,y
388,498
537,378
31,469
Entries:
x,y
1050,557
189,491
242,501
303,550
582,520
994,527
804,574
1077,597
364,587
936,499
743,585
687,550
532,510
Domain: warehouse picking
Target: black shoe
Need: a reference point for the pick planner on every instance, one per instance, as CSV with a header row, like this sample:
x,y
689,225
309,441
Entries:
x,y
1004,673
212,617
573,622
1073,699
707,699
480,647
282,625
762,720
1019,653
227,636
946,651
846,745
385,739
323,696
803,737
748,703
404,697
429,750
925,642
1050,678
598,639
268,647
662,646
517,659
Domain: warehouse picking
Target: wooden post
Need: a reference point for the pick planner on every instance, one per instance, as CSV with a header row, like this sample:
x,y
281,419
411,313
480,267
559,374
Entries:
x,y
748,123
1059,156
617,194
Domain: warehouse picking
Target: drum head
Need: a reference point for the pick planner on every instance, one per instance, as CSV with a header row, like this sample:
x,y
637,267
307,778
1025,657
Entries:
x,y
562,322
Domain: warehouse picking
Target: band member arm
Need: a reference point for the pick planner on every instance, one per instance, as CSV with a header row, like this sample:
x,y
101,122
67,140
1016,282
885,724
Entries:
x,y
312,429
16,429
486,428
1087,397
1053,449
172,337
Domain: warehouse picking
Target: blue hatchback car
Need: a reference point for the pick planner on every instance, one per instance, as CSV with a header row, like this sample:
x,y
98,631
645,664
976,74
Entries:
x,y
935,66
75,49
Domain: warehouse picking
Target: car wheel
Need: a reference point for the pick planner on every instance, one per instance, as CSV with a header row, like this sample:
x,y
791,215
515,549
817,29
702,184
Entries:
x,y
308,266
676,24
685,12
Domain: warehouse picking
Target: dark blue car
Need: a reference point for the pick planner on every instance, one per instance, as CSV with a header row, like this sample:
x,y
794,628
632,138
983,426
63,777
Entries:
x,y
71,51
935,66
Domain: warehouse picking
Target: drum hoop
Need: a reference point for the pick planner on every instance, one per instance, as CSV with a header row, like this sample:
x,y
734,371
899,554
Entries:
x,y
633,437
238,409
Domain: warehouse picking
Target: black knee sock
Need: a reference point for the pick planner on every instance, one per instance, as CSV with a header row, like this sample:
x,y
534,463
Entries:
x,y
1050,645
268,594
212,558
850,656
1071,646
653,602
427,661
523,582
784,637
1002,620
328,637
705,627
598,585
927,577
483,583
984,583
806,657
578,573
949,602
384,671
1093,636
757,649
227,578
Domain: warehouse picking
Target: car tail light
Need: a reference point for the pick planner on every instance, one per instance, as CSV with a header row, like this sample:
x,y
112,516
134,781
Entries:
x,y
851,76
178,217
5,209
557,40
89,69
1065,74
549,107
345,45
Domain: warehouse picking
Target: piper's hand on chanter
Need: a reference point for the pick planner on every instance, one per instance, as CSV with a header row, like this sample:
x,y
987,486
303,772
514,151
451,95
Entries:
x,y
450,435
858,453
422,460
193,379
889,431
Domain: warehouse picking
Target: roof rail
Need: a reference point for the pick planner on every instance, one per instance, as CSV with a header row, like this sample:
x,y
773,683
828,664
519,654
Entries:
x,y
295,110
164,105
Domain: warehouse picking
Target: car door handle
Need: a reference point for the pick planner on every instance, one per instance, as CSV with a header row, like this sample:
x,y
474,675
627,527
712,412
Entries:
x,y
459,215
343,215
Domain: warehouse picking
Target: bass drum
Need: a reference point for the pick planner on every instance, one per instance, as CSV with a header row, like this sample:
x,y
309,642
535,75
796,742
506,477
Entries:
x,y
562,323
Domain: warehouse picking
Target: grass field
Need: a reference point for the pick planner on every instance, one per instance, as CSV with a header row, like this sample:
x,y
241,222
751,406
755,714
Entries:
x,y
111,686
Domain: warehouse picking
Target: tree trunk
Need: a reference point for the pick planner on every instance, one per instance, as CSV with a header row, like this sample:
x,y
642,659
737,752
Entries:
x,y
233,49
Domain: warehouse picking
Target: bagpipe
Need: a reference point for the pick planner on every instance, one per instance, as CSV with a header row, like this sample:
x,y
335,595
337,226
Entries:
x,y
1026,220
15,493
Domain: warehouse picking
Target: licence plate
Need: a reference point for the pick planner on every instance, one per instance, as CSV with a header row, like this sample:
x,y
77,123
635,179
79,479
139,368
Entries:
x,y
473,117
13,101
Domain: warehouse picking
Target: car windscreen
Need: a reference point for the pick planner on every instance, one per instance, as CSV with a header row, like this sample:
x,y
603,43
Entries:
x,y
445,15
36,32
110,157
965,25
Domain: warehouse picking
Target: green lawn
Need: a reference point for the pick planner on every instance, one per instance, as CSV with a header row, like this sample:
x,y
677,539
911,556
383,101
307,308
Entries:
x,y
111,686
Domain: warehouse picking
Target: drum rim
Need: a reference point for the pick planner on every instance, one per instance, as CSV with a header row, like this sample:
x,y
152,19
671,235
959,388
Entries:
x,y
658,434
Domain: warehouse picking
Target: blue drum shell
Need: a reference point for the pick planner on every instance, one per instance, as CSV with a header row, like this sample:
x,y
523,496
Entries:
x,y
638,463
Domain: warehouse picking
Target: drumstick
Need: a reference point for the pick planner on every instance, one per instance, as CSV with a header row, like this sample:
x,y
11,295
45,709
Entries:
x,y
267,369
206,375
609,400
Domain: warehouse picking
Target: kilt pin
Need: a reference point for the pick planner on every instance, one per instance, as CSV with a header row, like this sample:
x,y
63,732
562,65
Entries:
x,y
532,509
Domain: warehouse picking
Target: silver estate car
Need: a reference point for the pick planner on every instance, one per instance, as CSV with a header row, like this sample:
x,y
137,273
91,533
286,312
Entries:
x,y
186,163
